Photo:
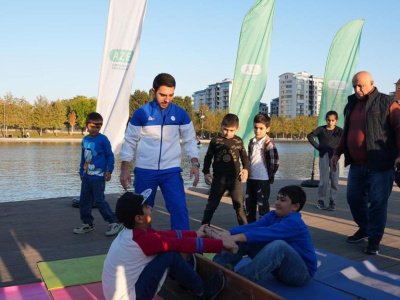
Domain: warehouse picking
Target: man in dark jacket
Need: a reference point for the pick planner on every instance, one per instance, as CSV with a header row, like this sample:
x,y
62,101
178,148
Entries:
x,y
371,146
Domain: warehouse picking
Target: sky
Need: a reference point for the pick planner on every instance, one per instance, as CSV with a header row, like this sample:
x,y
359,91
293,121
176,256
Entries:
x,y
54,48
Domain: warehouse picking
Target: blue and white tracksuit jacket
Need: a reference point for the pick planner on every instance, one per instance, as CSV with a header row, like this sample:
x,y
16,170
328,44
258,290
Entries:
x,y
153,136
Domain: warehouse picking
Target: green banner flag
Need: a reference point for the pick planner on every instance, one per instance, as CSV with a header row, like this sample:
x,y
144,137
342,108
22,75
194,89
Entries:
x,y
339,70
250,75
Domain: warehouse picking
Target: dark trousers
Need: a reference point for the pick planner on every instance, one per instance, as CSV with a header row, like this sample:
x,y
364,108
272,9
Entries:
x,y
219,185
147,284
257,194
92,191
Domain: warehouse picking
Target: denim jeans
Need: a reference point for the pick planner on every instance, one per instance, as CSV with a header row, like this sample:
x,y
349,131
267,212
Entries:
x,y
277,258
327,175
92,190
148,281
368,192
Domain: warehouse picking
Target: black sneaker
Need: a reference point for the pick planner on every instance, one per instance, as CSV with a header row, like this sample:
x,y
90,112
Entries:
x,y
372,248
213,286
331,206
358,237
320,205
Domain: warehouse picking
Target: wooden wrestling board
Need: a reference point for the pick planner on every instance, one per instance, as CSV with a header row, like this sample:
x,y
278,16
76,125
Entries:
x,y
237,287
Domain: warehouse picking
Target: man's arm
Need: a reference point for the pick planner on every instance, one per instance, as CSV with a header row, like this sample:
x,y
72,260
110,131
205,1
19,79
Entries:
x,y
394,114
132,137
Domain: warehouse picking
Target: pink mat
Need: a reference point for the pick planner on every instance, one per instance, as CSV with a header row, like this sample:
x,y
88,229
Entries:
x,y
31,291
90,291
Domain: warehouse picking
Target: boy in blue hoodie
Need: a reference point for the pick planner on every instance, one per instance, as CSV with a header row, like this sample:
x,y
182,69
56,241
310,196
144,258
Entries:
x,y
97,164
279,243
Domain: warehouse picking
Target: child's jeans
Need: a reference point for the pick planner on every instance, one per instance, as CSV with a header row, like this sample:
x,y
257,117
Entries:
x,y
257,195
92,191
277,258
147,284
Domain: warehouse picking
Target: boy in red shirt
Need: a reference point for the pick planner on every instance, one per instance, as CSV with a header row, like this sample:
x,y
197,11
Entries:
x,y
140,257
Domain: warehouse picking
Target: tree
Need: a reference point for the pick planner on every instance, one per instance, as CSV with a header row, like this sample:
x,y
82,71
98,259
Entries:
x,y
58,111
41,114
138,99
71,119
82,106
24,115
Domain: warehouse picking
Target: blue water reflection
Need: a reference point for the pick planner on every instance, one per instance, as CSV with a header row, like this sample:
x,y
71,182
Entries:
x,y
49,170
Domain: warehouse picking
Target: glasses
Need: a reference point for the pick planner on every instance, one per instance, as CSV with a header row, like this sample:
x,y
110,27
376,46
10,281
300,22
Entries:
x,y
95,125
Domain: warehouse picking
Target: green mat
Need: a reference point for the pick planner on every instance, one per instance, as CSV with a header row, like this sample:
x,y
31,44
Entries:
x,y
68,272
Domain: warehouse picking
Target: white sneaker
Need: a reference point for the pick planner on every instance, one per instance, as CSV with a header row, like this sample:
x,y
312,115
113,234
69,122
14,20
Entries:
x,y
85,228
113,229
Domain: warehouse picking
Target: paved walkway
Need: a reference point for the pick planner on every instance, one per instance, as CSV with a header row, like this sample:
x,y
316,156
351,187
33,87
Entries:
x,y
41,230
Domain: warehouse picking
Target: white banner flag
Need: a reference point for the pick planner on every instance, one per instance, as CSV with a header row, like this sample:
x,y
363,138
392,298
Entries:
x,y
121,49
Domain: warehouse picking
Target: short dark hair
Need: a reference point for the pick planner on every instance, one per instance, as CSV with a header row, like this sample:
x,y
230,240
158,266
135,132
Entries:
x,y
262,118
295,193
94,116
129,205
331,113
163,79
230,120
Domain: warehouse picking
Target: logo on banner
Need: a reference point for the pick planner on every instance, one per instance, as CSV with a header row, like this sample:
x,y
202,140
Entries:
x,y
120,58
251,69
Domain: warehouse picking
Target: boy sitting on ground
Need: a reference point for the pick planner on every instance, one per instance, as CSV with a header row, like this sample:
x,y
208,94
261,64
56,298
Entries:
x,y
279,243
139,256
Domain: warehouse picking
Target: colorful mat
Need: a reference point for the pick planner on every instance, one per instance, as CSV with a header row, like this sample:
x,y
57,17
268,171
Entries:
x,y
90,291
32,291
69,272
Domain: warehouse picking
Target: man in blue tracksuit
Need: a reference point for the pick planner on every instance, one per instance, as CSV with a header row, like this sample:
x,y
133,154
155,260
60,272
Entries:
x,y
153,136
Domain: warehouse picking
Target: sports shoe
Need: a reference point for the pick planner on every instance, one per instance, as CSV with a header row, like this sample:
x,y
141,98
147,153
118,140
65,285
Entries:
x,y
85,228
320,205
331,206
359,236
113,229
213,286
372,248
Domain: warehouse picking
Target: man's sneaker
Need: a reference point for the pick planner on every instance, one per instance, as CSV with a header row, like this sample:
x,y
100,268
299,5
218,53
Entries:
x,y
85,228
359,236
113,229
372,248
331,206
213,286
320,205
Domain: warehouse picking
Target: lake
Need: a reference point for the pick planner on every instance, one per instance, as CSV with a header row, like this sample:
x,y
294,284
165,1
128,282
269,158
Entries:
x,y
30,171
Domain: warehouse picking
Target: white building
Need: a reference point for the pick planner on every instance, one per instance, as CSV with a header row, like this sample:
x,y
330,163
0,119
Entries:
x,y
215,96
299,94
263,108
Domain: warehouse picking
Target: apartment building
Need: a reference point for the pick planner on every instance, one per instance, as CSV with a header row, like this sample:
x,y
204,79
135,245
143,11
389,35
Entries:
x,y
299,94
215,96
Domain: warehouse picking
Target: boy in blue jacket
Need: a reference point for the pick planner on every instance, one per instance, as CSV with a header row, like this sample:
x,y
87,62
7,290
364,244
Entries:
x,y
279,243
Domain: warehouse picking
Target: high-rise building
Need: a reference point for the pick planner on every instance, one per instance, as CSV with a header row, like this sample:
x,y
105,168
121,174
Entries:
x,y
263,108
275,107
299,94
215,96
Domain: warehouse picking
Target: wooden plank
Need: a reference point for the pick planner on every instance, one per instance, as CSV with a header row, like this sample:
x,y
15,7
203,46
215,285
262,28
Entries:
x,y
237,287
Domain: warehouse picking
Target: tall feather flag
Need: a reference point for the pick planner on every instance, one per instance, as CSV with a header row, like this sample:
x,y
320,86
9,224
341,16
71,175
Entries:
x,y
250,76
339,70
121,49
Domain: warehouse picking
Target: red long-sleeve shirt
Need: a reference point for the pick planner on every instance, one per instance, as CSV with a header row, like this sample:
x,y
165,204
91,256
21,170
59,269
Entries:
x,y
186,241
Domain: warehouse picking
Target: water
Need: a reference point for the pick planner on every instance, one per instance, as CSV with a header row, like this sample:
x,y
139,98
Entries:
x,y
31,171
